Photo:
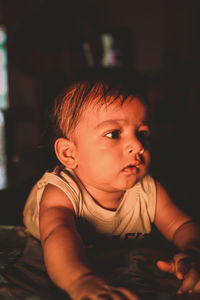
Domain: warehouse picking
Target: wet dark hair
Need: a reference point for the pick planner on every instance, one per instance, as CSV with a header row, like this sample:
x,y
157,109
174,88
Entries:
x,y
72,101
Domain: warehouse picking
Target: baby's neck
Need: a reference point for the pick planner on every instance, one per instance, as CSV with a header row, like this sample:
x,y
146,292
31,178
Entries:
x,y
105,199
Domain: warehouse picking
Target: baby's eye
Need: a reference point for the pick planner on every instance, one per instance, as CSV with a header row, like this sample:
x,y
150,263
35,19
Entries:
x,y
143,133
113,134
143,137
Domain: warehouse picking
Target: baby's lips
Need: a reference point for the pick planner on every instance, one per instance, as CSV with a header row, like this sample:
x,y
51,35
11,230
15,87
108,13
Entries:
x,y
132,165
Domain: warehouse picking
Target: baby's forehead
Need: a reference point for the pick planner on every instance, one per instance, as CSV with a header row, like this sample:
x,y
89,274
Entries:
x,y
113,108
111,103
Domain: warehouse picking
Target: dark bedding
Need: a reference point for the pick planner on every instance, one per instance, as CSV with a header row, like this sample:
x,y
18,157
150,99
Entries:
x,y
23,275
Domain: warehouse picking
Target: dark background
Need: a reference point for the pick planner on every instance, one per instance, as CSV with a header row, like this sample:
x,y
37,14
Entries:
x,y
159,45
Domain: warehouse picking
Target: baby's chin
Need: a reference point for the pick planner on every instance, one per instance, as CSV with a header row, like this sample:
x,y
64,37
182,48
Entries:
x,y
128,184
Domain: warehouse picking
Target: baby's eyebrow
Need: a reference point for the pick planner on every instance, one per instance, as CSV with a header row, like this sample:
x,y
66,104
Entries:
x,y
118,122
109,122
146,122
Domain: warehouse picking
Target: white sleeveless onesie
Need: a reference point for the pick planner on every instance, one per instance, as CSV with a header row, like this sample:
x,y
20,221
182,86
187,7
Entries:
x,y
133,217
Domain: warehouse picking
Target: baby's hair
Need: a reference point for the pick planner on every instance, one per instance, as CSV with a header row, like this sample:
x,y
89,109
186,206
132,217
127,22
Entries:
x,y
72,101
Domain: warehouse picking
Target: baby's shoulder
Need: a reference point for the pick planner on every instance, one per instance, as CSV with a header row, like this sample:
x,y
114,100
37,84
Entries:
x,y
60,187
53,196
61,178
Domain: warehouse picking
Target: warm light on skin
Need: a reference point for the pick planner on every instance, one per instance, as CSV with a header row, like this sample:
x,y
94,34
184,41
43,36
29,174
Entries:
x,y
106,143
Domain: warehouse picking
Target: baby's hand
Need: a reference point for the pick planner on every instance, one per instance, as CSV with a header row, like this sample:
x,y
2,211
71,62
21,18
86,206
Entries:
x,y
91,287
184,268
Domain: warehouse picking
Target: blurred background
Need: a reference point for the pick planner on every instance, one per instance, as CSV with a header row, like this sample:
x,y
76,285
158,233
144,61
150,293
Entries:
x,y
46,44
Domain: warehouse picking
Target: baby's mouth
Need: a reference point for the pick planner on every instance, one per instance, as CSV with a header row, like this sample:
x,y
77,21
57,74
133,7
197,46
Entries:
x,y
136,164
132,168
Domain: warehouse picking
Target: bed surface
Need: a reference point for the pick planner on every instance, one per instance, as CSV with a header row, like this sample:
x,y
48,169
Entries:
x,y
23,274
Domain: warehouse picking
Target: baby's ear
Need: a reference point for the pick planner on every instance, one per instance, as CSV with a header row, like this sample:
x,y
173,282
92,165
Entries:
x,y
65,152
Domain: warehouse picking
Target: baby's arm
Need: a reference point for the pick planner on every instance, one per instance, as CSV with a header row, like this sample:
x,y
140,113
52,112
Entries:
x,y
180,229
64,251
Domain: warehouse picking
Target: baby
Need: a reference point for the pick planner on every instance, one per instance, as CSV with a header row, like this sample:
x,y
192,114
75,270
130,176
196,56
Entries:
x,y
102,142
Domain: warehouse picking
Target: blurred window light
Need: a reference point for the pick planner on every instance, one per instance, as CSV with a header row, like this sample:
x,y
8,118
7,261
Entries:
x,y
3,105
3,70
111,55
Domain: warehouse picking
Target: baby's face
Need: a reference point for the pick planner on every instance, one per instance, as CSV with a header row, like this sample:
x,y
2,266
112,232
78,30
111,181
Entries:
x,y
111,145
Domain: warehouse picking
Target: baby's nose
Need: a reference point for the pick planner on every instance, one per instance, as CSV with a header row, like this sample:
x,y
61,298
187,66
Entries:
x,y
135,146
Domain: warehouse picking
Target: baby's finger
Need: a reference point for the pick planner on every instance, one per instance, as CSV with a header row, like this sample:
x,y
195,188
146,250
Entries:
x,y
111,295
127,293
116,294
190,281
166,266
